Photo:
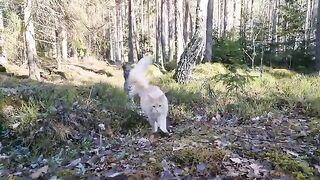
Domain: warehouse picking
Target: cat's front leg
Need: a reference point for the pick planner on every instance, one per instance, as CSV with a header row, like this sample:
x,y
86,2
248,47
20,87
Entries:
x,y
162,122
153,124
155,127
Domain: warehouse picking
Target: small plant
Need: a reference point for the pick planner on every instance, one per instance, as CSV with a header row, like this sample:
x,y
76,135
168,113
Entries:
x,y
235,83
29,112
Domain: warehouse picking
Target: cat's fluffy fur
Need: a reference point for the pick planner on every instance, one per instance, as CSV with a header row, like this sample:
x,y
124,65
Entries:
x,y
153,101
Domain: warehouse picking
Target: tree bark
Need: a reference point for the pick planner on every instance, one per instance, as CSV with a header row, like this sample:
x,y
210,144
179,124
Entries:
x,y
307,23
209,33
157,31
178,30
3,57
118,32
142,18
170,32
186,22
195,48
225,16
164,31
136,35
64,43
130,42
318,40
34,72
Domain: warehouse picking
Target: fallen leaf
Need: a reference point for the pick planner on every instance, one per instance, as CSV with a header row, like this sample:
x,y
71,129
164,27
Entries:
x,y
255,168
291,153
40,172
317,168
74,163
236,160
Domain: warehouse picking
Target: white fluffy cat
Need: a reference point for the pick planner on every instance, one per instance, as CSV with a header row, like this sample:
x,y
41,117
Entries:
x,y
153,101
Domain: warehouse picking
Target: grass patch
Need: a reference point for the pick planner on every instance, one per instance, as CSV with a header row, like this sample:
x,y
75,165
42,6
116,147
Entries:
x,y
282,73
245,94
51,115
284,163
191,157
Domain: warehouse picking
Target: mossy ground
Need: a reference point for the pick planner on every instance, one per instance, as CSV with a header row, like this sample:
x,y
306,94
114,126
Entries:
x,y
219,107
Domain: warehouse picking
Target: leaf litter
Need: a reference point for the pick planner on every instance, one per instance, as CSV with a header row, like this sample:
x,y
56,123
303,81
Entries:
x,y
127,155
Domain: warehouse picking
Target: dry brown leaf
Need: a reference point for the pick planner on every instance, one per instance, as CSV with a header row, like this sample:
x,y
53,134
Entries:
x,y
39,172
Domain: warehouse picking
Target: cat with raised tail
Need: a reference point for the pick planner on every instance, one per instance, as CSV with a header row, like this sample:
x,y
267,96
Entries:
x,y
153,101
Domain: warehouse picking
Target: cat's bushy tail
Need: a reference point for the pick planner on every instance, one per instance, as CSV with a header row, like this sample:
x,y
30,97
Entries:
x,y
137,76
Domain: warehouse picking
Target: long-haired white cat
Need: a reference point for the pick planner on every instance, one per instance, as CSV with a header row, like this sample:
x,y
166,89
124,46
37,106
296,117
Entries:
x,y
153,101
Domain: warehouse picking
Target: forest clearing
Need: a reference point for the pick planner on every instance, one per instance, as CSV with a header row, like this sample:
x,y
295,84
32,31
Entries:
x,y
241,78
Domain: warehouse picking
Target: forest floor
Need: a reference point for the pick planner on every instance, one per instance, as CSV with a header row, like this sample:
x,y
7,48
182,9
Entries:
x,y
225,125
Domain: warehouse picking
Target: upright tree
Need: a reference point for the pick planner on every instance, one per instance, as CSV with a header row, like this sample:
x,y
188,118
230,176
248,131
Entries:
x,y
178,29
130,41
195,49
30,42
64,43
3,57
209,33
318,40
164,31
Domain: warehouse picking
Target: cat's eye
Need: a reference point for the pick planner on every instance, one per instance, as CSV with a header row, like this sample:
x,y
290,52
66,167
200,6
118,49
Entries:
x,y
159,105
154,106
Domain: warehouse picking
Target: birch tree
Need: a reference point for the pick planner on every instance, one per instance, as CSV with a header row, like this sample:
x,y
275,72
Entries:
x,y
195,49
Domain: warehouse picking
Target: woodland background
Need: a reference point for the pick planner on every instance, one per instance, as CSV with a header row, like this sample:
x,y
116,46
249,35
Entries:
x,y
250,109
279,33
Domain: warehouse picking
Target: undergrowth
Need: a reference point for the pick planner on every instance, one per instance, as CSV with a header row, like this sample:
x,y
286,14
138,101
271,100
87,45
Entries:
x,y
43,115
284,163
245,94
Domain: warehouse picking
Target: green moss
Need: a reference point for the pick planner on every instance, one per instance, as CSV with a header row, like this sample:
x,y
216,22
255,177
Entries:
x,y
192,156
284,163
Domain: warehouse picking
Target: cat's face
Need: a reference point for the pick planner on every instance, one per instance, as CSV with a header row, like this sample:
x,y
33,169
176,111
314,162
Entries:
x,y
157,105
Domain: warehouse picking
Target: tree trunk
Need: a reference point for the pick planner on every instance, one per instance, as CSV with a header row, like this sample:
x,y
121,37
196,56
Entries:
x,y
186,21
178,30
130,42
142,18
209,33
164,31
318,40
34,72
306,28
222,18
3,57
158,34
148,17
234,17
170,32
251,21
136,35
225,16
64,43
195,48
118,32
